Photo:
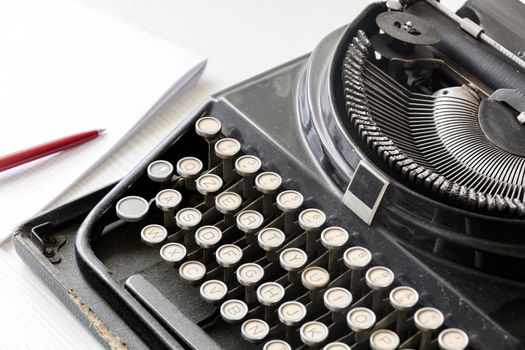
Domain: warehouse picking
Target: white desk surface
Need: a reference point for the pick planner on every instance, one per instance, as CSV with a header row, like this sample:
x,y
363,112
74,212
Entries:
x,y
240,39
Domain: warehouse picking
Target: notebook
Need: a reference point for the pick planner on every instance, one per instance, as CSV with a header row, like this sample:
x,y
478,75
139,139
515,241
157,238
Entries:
x,y
66,68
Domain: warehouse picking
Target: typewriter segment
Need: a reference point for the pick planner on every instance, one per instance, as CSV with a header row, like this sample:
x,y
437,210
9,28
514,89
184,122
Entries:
x,y
369,195
272,267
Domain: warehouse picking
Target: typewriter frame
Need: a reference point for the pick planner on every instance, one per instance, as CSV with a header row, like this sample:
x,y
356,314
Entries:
x,y
126,321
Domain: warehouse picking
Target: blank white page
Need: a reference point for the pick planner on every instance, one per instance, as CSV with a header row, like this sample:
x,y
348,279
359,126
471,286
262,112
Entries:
x,y
66,68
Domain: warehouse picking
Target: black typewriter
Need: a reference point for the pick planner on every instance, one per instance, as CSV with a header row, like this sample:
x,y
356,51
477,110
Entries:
x,y
369,195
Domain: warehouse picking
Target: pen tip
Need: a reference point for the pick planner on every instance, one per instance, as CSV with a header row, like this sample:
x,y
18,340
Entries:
x,y
101,131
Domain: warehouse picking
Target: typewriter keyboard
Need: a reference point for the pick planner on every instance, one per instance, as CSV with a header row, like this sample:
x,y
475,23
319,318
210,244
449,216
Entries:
x,y
277,270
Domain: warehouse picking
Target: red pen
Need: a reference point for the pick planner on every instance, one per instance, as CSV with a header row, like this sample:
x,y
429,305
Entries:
x,y
21,157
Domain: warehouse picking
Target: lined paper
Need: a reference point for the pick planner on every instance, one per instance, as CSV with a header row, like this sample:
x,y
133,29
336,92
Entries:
x,y
65,69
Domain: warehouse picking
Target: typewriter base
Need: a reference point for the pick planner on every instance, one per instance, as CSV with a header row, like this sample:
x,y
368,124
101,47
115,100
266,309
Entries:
x,y
244,109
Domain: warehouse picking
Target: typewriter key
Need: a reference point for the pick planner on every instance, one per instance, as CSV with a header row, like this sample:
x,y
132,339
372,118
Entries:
x,y
453,339
270,239
269,294
315,278
289,202
313,333
173,253
192,271
213,291
233,310
267,183
153,234
384,339
160,171
336,346
292,260
360,320
226,149
249,275
207,237
132,208
311,220
168,200
208,127
208,185
356,259
249,222
427,320
189,168
254,330
247,166
378,278
290,314
403,299
188,219
228,203
276,344
228,256
337,300
333,238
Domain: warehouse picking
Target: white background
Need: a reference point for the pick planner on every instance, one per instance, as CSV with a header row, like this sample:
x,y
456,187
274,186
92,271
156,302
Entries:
x,y
240,39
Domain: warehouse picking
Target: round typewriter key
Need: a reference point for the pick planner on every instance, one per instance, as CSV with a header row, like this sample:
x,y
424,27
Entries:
x,y
213,291
254,330
188,219
337,346
289,202
226,149
315,278
153,234
270,239
292,260
311,220
249,222
403,299
453,339
333,238
208,127
207,185
378,278
160,171
189,168
228,256
233,310
192,271
247,166
384,339
356,259
132,208
228,203
337,300
276,344
361,320
269,294
427,320
173,252
167,201
313,333
207,237
249,275
267,183
290,314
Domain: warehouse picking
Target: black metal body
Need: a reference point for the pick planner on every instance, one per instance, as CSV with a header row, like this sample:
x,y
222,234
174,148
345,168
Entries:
x,y
290,117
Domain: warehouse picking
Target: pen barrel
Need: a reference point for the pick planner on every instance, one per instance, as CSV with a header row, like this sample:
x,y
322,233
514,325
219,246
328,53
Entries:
x,y
18,158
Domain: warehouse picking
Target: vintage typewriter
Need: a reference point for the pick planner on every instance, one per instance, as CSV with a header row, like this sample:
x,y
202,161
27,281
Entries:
x,y
369,195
